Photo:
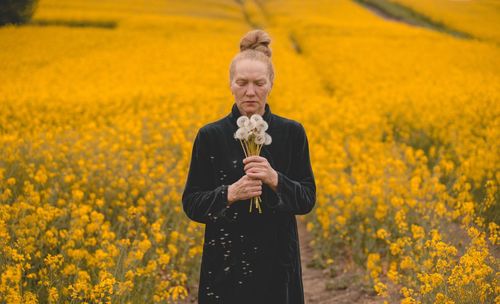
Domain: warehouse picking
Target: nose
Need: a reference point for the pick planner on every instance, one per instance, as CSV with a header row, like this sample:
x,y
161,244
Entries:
x,y
250,91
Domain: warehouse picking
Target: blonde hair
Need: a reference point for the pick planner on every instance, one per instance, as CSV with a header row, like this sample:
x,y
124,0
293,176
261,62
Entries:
x,y
254,45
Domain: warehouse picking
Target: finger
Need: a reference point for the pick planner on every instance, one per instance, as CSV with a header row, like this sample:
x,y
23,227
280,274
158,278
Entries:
x,y
257,182
251,173
254,183
253,190
256,175
250,159
258,163
254,165
254,158
257,171
254,193
245,179
254,187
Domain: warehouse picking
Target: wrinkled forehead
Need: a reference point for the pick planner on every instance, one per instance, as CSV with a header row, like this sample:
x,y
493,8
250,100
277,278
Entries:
x,y
250,70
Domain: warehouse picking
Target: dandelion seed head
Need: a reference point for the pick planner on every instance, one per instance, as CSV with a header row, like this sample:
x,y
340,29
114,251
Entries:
x,y
268,140
256,118
249,125
242,120
259,139
262,126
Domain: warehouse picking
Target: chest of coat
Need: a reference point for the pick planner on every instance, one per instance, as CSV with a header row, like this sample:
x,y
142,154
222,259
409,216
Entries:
x,y
226,156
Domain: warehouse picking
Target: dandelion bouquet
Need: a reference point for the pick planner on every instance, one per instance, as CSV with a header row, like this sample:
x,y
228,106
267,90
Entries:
x,y
252,135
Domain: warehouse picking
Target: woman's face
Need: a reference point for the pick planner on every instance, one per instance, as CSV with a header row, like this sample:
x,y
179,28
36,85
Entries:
x,y
250,86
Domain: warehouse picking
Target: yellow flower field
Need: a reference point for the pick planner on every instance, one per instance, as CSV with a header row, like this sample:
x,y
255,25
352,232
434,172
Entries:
x,y
97,125
478,18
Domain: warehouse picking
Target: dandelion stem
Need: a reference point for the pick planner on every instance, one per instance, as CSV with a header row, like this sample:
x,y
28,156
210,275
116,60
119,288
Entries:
x,y
250,148
244,150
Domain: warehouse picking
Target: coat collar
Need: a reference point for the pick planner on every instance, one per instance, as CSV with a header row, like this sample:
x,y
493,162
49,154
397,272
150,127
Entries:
x,y
235,113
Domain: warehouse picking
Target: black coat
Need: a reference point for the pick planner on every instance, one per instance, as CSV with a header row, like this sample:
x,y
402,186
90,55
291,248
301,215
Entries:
x,y
249,257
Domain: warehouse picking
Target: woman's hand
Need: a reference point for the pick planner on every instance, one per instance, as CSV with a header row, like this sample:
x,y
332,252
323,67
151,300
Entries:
x,y
259,168
243,189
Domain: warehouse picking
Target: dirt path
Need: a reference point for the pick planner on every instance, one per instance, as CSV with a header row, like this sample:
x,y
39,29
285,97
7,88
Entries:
x,y
320,287
314,280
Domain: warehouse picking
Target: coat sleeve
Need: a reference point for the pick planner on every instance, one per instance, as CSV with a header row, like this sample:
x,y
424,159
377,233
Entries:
x,y
296,193
202,201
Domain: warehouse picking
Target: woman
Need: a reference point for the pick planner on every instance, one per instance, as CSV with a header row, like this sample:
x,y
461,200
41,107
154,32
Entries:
x,y
250,257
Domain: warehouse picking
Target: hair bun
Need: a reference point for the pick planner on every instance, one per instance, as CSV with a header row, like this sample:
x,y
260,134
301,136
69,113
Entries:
x,y
257,40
